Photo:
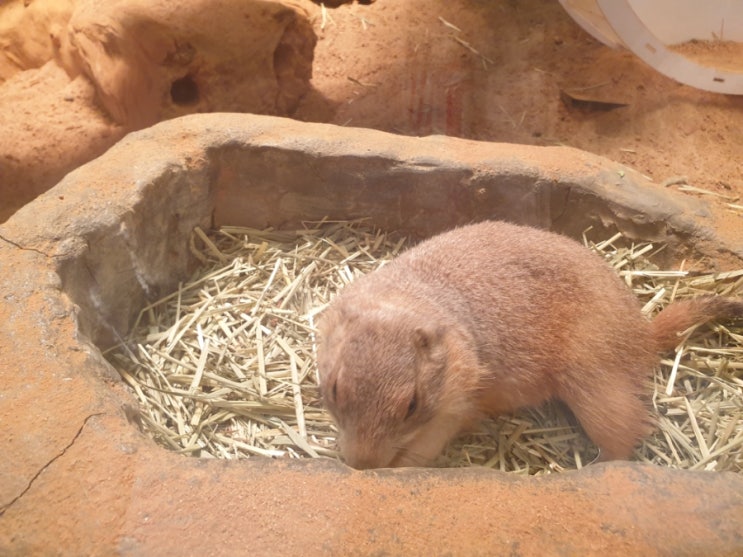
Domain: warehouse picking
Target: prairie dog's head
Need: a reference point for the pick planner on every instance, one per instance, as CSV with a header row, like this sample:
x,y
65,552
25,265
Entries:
x,y
386,378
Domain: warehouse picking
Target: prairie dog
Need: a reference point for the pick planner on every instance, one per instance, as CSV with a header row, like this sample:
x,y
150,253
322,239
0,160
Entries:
x,y
482,320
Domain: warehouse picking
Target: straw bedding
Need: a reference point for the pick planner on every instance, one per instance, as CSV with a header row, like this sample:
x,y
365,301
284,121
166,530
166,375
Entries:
x,y
225,366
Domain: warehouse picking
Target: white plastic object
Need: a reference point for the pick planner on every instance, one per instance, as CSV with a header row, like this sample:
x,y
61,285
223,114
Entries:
x,y
648,27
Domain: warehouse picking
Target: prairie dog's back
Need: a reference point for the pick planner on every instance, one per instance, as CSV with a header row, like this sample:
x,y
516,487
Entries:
x,y
531,298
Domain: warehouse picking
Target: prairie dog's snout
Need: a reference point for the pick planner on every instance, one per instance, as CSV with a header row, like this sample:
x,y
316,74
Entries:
x,y
483,320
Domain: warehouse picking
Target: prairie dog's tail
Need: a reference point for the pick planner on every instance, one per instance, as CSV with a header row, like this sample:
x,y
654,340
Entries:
x,y
679,316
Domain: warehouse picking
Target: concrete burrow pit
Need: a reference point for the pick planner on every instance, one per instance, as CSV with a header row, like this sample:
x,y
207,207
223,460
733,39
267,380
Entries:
x,y
81,260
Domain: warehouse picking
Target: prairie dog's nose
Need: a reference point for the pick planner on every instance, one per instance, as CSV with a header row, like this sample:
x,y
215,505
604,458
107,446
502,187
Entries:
x,y
364,456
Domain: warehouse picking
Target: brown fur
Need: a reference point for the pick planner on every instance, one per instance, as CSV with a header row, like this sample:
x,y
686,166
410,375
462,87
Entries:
x,y
483,320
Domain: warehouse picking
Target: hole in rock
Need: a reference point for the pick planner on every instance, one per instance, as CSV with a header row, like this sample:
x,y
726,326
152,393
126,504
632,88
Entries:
x,y
184,91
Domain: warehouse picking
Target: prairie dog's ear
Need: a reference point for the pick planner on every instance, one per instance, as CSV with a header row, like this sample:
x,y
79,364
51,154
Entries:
x,y
427,339
332,318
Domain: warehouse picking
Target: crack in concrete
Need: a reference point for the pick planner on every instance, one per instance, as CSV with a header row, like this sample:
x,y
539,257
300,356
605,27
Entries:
x,y
41,470
20,247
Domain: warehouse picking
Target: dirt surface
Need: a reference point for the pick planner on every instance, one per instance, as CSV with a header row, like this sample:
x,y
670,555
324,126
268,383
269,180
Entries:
x,y
51,125
726,55
488,70
129,64
403,67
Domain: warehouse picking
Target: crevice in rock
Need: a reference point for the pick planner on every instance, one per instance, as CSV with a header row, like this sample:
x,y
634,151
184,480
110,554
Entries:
x,y
20,247
41,470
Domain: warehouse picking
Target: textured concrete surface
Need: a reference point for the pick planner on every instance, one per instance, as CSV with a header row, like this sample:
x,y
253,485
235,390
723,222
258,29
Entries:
x,y
76,475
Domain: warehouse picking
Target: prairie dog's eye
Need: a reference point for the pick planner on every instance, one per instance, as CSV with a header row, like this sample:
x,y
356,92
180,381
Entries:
x,y
412,406
334,391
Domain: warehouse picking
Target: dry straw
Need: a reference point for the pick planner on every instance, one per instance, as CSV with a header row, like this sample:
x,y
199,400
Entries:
x,y
225,366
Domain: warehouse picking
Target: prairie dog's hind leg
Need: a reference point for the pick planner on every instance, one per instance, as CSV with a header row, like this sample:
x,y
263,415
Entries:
x,y
613,413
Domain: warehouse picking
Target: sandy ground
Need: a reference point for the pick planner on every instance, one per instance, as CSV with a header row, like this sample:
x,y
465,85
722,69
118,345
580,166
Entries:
x,y
495,70
492,70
